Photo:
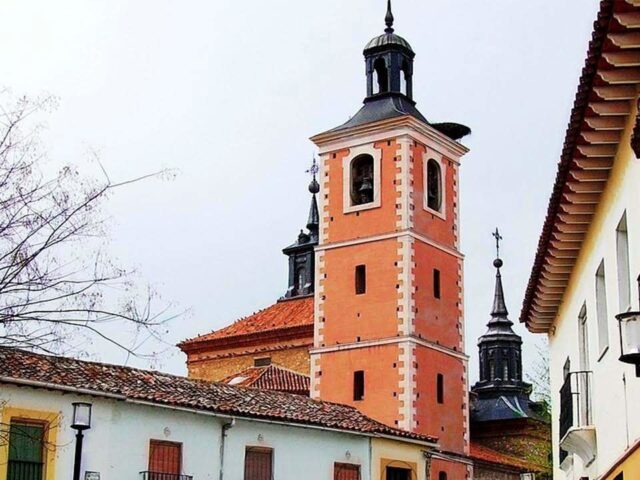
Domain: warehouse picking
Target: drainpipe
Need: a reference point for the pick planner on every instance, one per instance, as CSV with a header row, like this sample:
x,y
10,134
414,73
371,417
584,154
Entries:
x,y
225,428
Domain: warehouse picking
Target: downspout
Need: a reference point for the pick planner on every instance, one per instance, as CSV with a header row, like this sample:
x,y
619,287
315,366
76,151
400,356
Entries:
x,y
225,428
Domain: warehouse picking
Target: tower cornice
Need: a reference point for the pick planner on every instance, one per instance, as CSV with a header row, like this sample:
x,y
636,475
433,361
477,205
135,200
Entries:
x,y
389,128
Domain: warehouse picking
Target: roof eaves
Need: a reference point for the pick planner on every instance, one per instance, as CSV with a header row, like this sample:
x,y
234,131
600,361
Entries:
x,y
581,103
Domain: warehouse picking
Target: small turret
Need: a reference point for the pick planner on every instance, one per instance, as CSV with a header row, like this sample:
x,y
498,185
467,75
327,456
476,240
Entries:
x,y
301,253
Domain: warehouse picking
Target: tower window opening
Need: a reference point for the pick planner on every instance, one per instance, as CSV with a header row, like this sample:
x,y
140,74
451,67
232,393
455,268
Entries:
x,y
442,476
434,185
440,388
380,76
362,180
436,283
505,371
358,385
404,78
301,280
361,279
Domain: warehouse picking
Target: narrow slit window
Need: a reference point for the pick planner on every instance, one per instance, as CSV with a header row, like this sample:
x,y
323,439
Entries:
x,y
361,279
358,385
440,388
601,308
436,283
442,476
624,275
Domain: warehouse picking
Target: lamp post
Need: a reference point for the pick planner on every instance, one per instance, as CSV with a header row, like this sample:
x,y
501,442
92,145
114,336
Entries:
x,y
81,422
629,327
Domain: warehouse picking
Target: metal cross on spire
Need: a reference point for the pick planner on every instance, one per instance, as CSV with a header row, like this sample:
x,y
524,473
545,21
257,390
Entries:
x,y
498,237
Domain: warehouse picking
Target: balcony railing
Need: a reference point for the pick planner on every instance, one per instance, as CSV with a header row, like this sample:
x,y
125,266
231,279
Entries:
x,y
575,401
163,476
21,470
577,434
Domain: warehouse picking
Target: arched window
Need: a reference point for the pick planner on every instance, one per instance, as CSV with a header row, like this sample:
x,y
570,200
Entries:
x,y
362,180
505,370
442,476
380,76
434,185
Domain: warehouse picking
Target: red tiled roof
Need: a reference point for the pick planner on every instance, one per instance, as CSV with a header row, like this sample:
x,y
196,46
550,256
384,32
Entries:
x,y
131,384
484,454
271,377
285,314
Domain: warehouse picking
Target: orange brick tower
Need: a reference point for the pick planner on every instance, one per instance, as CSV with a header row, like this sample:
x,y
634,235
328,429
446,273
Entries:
x,y
388,299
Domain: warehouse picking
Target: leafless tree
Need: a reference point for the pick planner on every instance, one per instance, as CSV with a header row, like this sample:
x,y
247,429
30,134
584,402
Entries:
x,y
58,287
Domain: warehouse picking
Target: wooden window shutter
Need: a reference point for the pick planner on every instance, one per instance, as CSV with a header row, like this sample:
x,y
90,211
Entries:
x,y
26,447
346,471
258,463
165,457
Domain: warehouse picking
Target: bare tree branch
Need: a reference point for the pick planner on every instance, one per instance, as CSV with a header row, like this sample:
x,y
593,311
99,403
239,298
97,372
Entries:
x,y
58,287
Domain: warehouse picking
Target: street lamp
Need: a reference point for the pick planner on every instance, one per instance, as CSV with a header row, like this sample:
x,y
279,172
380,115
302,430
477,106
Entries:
x,y
81,422
629,327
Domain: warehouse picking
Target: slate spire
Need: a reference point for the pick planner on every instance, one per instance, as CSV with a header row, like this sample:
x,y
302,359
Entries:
x,y
313,222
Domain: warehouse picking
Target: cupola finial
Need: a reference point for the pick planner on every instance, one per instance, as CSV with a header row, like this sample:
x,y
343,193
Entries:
x,y
313,223
388,18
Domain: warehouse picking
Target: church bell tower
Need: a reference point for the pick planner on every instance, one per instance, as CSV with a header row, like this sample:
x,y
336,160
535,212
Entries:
x,y
389,326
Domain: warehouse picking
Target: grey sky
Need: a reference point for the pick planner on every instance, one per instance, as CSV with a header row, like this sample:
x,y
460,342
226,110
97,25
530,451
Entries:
x,y
228,93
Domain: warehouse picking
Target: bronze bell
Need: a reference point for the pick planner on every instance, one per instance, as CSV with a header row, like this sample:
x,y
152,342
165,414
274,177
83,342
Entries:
x,y
366,186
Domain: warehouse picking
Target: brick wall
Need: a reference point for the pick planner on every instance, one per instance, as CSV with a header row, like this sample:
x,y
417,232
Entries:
x,y
296,359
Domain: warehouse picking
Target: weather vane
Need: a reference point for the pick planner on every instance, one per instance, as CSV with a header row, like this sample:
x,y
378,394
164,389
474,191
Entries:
x,y
314,169
498,237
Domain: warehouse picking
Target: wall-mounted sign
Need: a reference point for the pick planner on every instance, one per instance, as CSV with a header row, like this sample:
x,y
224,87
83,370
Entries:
x,y
91,475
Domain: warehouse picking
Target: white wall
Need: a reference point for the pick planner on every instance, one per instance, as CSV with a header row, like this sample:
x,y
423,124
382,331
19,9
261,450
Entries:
x,y
613,407
117,445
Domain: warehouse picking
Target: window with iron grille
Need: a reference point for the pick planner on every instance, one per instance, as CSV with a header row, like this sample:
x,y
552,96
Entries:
x,y
258,463
26,451
165,460
346,471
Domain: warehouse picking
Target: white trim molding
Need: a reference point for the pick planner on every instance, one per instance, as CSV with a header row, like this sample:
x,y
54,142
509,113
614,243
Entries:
x,y
376,154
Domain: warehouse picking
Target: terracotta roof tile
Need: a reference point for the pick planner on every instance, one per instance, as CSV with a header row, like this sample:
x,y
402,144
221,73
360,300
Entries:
x,y
271,377
484,454
281,315
20,367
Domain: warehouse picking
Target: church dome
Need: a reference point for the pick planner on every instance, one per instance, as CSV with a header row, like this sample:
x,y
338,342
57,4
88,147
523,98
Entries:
x,y
385,40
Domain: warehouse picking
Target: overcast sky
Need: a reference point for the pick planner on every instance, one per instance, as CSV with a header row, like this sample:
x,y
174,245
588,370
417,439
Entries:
x,y
229,92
